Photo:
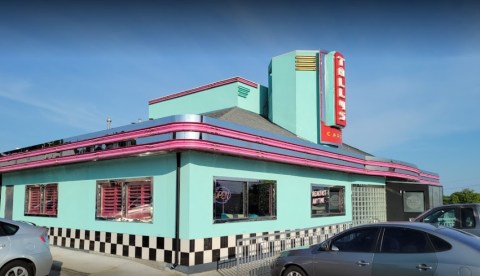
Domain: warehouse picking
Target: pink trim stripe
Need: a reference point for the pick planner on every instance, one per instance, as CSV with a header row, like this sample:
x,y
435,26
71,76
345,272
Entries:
x,y
203,128
203,88
145,132
174,145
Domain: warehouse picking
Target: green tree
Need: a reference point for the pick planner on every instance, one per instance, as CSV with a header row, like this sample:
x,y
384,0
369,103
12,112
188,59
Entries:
x,y
465,196
447,200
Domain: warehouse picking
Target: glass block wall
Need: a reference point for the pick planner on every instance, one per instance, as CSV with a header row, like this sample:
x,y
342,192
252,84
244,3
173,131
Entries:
x,y
368,204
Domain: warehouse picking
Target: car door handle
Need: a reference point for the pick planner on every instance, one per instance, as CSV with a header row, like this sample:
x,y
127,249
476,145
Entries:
x,y
362,263
423,267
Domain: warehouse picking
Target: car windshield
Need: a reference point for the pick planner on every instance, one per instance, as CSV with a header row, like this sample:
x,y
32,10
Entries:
x,y
461,236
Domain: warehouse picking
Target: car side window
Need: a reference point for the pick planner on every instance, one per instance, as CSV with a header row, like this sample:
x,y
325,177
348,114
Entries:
x,y
444,217
439,244
404,240
357,240
7,229
468,219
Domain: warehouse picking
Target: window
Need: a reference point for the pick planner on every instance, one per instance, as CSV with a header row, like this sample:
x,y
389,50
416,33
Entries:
x,y
235,200
368,203
413,202
468,218
444,217
358,240
41,200
7,229
125,199
327,200
402,240
439,244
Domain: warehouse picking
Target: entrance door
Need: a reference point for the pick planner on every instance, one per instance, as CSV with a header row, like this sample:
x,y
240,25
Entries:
x,y
8,202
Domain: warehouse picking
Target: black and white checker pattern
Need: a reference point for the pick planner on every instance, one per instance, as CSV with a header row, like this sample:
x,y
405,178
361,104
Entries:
x,y
192,252
126,245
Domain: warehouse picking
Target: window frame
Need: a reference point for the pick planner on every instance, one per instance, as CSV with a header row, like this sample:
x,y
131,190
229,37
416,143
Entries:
x,y
439,244
41,200
354,234
470,215
408,245
222,195
445,221
114,202
7,229
413,201
322,196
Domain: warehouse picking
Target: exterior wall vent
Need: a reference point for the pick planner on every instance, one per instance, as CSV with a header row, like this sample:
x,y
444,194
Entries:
x,y
243,92
305,63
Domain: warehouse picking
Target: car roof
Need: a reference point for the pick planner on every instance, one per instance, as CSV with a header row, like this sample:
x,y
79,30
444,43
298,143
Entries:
x,y
407,224
458,205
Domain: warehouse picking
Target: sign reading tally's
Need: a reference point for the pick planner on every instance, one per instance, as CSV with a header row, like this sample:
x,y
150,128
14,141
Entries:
x,y
333,97
340,98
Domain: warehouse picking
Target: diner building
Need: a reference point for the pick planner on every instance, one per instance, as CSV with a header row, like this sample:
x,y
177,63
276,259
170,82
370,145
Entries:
x,y
215,164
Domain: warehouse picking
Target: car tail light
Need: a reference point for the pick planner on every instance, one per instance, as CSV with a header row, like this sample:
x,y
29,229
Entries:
x,y
44,237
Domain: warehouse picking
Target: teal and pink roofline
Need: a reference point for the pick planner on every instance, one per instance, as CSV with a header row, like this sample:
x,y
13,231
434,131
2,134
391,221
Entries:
x,y
306,96
204,134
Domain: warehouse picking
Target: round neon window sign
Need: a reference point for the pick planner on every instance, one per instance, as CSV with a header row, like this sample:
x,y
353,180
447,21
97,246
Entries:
x,y
222,195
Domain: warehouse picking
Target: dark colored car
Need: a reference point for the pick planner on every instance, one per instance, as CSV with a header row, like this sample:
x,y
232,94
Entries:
x,y
24,249
461,216
386,249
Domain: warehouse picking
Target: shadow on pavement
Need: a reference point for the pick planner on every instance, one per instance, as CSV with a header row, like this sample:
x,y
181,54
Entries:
x,y
57,270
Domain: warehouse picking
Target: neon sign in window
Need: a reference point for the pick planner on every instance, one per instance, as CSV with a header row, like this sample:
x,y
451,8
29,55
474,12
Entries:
x,y
240,200
327,200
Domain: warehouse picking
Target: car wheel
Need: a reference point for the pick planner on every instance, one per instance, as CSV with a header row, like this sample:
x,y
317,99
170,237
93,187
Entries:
x,y
294,271
17,268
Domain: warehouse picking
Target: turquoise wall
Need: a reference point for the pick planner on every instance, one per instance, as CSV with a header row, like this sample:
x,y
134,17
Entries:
x,y
282,91
77,194
253,100
226,96
264,101
293,194
206,101
294,96
307,105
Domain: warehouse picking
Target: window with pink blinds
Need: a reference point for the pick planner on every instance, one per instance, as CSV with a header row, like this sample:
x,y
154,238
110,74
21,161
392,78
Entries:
x,y
41,200
34,200
111,201
50,205
125,199
139,197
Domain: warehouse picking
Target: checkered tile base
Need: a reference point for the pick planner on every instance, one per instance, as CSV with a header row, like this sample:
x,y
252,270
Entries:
x,y
192,252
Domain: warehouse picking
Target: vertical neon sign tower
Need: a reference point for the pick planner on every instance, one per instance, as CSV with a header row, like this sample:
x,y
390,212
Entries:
x,y
307,95
332,96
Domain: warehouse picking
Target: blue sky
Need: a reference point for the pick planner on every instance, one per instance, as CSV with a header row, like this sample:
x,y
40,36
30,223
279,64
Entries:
x,y
412,67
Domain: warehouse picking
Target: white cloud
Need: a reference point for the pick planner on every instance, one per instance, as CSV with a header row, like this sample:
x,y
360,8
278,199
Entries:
x,y
58,111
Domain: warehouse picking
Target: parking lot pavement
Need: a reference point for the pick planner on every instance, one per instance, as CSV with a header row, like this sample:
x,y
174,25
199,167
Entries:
x,y
69,262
